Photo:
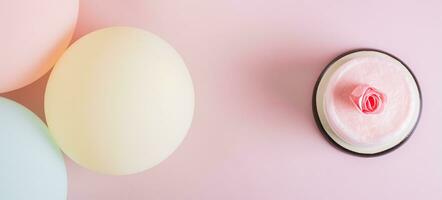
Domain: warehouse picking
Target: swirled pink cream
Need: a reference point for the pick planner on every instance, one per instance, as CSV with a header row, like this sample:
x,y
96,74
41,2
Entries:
x,y
389,104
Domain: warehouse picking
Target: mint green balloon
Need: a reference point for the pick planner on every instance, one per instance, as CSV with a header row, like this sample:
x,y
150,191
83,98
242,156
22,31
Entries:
x,y
31,166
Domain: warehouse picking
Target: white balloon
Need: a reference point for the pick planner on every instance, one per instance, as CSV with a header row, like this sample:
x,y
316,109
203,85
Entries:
x,y
119,101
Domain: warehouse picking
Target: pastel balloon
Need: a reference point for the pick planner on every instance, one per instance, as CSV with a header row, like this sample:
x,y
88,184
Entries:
x,y
31,166
34,35
119,101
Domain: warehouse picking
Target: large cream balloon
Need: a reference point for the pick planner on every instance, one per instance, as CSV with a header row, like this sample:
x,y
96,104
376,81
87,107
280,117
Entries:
x,y
120,100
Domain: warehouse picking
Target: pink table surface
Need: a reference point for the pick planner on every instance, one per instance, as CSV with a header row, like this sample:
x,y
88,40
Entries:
x,y
254,64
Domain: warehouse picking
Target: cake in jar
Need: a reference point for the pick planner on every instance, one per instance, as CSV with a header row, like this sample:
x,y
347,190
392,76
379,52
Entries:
x,y
367,102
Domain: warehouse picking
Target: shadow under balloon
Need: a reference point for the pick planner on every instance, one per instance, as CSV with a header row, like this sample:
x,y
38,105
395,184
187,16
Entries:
x,y
31,96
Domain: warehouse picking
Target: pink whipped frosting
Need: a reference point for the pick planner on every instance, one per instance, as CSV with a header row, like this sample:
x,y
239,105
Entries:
x,y
357,128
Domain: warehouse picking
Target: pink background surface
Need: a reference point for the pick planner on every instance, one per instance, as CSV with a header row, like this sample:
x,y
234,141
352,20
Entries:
x,y
254,64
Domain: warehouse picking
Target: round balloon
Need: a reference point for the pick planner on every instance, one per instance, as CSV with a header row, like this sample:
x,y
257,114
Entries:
x,y
34,35
31,166
120,100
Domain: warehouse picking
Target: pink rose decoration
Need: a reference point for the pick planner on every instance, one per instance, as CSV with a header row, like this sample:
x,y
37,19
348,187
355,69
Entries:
x,y
367,99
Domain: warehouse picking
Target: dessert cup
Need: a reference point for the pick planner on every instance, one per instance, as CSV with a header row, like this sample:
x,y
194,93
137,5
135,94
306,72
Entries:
x,y
367,102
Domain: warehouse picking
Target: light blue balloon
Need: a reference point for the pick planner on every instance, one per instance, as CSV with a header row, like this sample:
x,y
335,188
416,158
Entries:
x,y
31,166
